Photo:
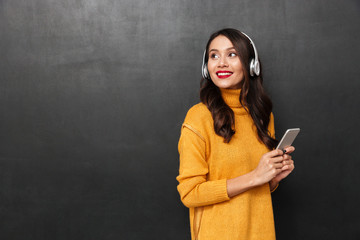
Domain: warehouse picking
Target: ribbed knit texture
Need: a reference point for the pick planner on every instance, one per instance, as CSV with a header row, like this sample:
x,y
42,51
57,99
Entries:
x,y
206,162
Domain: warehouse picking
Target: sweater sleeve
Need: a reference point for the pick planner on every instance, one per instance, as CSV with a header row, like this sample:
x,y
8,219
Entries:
x,y
194,189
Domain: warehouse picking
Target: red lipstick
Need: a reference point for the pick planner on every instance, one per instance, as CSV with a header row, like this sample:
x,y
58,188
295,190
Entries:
x,y
223,74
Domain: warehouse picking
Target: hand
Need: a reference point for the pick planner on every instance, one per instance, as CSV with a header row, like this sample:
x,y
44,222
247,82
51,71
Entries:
x,y
287,168
269,167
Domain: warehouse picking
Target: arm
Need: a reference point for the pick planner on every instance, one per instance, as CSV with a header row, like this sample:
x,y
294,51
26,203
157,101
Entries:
x,y
194,189
269,167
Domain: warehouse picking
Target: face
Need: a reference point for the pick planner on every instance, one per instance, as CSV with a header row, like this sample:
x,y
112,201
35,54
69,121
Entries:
x,y
224,64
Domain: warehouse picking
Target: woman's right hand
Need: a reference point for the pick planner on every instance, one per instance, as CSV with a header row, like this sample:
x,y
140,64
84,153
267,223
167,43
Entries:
x,y
269,166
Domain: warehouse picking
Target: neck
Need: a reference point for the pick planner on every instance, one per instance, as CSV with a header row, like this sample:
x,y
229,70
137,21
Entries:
x,y
232,99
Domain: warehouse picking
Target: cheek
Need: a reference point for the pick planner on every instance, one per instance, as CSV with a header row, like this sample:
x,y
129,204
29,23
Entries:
x,y
240,69
238,65
211,68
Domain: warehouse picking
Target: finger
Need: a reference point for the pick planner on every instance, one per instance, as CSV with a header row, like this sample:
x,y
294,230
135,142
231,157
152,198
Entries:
x,y
273,153
287,157
287,162
278,165
278,171
277,159
288,167
290,149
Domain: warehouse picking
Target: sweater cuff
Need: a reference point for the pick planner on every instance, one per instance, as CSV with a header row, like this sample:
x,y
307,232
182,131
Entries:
x,y
221,191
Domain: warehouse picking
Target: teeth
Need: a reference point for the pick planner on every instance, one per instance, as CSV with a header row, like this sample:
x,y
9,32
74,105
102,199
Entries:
x,y
223,74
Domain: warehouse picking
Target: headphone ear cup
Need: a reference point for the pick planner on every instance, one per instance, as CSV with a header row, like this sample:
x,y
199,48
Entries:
x,y
254,68
205,72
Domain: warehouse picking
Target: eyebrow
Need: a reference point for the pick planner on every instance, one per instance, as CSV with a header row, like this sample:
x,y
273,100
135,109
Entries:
x,y
215,50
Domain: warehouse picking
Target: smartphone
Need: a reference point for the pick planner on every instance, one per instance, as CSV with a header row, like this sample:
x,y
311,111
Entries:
x,y
288,138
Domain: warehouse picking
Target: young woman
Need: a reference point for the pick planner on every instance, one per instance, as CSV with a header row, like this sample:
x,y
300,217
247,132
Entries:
x,y
228,167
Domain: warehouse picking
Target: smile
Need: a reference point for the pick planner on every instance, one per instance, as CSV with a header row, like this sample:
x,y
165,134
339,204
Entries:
x,y
223,74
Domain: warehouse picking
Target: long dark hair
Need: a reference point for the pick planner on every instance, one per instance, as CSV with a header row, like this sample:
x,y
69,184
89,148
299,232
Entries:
x,y
252,96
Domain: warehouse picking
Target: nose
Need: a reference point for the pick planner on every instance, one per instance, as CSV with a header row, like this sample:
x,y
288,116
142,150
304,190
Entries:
x,y
223,62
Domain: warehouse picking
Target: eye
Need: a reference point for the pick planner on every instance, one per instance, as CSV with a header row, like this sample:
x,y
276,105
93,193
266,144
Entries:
x,y
232,54
214,56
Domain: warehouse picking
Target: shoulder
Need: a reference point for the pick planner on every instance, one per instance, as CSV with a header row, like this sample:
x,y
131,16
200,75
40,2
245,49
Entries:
x,y
198,112
198,118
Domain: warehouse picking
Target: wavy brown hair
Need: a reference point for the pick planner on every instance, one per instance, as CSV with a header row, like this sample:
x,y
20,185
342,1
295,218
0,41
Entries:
x,y
252,97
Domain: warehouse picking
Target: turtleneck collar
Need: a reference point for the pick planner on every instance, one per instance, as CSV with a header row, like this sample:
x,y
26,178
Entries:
x,y
231,98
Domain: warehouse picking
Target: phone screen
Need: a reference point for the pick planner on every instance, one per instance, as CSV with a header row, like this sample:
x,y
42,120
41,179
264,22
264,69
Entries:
x,y
288,138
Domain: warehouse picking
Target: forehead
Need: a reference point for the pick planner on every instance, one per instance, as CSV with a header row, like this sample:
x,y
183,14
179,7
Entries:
x,y
220,43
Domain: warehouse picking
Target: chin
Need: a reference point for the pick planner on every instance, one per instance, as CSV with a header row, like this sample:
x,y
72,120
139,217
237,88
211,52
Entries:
x,y
226,85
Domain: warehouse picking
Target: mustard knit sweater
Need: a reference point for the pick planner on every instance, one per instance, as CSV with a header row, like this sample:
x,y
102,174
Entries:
x,y
206,162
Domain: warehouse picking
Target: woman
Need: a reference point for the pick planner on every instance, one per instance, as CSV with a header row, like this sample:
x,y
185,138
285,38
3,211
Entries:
x,y
227,163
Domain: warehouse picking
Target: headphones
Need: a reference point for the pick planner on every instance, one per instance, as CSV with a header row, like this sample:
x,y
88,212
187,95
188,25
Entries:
x,y
254,63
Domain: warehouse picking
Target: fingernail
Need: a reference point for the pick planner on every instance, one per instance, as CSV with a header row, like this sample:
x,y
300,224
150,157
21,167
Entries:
x,y
284,151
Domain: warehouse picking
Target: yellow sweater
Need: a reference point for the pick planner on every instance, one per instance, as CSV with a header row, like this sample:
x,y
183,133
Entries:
x,y
206,162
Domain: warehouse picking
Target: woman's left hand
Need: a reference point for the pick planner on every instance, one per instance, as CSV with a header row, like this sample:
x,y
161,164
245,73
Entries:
x,y
288,166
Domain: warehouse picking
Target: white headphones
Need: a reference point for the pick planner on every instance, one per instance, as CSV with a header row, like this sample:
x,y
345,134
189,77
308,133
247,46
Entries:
x,y
254,63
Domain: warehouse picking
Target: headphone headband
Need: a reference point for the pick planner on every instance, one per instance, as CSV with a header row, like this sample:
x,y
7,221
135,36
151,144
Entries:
x,y
254,63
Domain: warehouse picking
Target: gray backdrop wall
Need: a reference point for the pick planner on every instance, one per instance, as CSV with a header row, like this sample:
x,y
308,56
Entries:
x,y
93,94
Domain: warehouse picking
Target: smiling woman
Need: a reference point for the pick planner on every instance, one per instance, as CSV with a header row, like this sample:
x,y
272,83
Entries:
x,y
227,163
224,65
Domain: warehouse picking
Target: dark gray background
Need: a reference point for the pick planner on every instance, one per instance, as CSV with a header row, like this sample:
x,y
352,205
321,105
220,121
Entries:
x,y
93,94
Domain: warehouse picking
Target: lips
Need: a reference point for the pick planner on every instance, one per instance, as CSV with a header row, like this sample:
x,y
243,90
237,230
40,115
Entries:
x,y
223,74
